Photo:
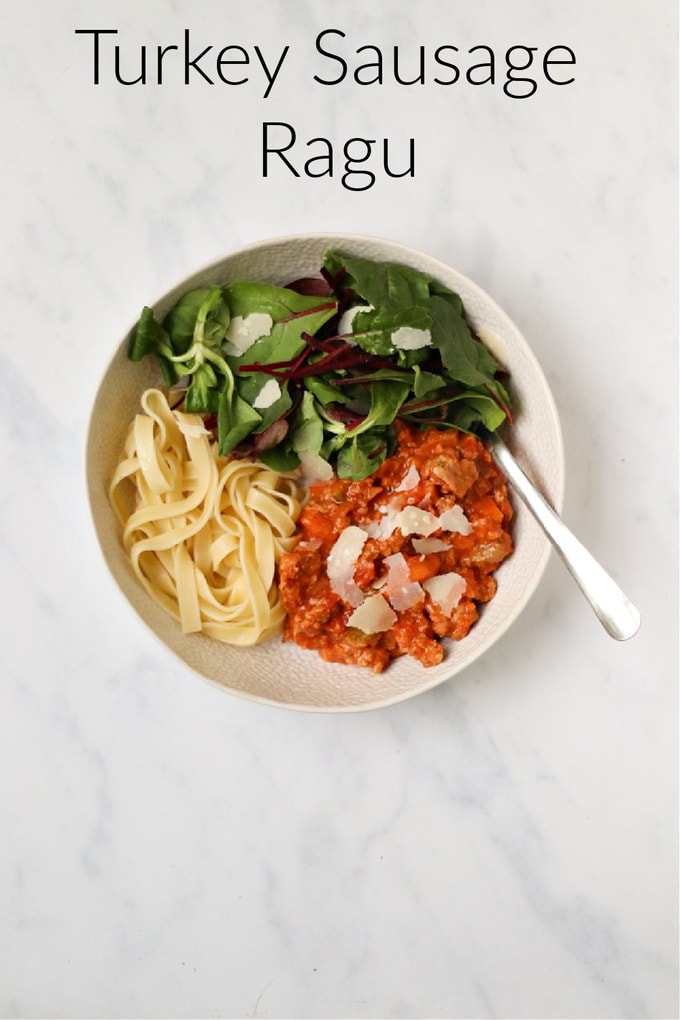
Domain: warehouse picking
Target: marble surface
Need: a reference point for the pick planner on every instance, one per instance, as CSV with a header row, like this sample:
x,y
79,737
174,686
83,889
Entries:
x,y
504,846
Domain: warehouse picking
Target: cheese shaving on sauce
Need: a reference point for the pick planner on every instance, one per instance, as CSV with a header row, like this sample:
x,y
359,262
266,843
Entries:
x,y
402,592
342,561
424,546
373,615
410,479
455,520
446,590
414,521
387,523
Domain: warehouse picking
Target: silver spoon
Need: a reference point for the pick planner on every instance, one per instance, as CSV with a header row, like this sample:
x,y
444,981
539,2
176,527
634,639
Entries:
x,y
615,611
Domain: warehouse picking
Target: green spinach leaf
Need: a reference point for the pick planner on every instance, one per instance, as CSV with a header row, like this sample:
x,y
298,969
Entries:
x,y
465,358
362,456
385,285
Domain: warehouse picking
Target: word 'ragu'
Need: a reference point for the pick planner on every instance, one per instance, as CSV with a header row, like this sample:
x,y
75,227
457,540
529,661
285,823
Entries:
x,y
359,158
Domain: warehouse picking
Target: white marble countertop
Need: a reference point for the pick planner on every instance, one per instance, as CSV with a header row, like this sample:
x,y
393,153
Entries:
x,y
504,846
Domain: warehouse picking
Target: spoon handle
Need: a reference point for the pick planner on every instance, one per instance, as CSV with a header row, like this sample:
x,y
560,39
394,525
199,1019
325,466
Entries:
x,y
615,611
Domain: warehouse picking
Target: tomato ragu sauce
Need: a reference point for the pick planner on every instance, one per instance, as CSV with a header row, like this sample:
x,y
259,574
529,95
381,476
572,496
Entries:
x,y
394,563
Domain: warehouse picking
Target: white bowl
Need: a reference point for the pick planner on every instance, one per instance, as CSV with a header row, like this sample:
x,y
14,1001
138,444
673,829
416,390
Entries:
x,y
281,673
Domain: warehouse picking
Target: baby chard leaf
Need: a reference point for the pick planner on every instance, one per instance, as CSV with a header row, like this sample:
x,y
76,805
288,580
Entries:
x,y
426,382
387,397
244,298
470,409
362,456
200,316
285,341
324,391
201,395
148,337
465,358
280,458
235,418
386,285
309,433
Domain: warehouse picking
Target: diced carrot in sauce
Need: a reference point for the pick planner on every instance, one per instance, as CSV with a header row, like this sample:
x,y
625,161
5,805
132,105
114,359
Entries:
x,y
424,566
487,507
316,524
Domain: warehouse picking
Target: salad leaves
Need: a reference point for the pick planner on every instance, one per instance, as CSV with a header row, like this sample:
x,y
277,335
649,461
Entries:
x,y
326,365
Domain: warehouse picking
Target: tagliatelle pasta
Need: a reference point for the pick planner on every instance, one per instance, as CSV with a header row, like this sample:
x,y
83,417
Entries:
x,y
204,534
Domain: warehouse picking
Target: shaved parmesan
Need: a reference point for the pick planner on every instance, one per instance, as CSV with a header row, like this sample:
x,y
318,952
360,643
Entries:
x,y
455,520
347,318
410,479
268,395
402,592
384,527
498,347
414,521
373,615
406,597
373,529
342,561
397,570
446,590
429,545
243,331
314,467
408,338
191,425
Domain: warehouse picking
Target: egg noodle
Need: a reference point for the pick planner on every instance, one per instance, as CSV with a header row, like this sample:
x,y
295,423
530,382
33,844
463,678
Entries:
x,y
204,533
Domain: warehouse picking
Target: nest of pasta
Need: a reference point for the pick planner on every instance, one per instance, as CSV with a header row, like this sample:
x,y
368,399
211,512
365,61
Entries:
x,y
204,533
